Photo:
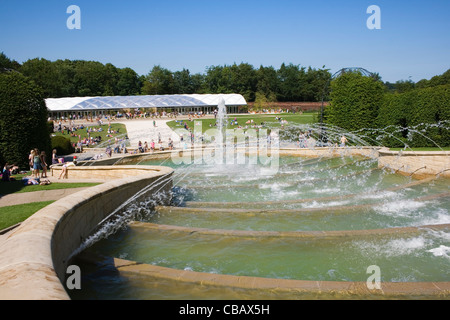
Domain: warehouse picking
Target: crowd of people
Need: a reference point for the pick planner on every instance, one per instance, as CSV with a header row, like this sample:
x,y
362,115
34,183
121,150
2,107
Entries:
x,y
38,166
142,147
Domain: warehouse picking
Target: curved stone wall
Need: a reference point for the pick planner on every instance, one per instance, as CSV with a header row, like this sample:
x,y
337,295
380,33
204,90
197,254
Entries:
x,y
34,257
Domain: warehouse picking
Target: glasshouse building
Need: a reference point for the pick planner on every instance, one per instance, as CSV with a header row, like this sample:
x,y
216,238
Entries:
x,y
181,104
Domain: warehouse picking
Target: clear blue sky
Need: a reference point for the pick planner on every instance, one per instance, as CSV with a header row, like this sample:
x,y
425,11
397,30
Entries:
x,y
413,43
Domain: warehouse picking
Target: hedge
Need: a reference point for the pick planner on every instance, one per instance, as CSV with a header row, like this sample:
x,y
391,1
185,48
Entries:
x,y
23,119
423,116
417,118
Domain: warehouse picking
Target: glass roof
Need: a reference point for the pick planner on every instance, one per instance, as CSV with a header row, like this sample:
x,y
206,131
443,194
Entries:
x,y
130,102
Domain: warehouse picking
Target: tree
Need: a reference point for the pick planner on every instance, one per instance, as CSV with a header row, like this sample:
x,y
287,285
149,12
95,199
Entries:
x,y
44,74
264,102
158,81
7,63
289,82
244,80
267,80
129,83
219,79
23,121
183,83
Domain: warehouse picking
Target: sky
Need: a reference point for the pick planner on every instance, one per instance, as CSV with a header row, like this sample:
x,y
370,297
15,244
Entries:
x,y
412,44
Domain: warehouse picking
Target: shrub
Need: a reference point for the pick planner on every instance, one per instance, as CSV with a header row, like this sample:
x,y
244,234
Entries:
x,y
62,145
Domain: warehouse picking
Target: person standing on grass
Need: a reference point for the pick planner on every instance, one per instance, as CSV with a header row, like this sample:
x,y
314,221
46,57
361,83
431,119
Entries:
x,y
36,163
30,161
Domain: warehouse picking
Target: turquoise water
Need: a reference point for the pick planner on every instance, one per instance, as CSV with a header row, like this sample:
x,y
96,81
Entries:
x,y
302,195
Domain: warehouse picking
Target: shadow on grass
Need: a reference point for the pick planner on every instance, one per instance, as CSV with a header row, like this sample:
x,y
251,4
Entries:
x,y
11,187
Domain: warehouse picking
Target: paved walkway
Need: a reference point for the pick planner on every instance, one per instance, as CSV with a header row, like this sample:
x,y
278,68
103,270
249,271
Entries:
x,y
37,196
44,195
145,130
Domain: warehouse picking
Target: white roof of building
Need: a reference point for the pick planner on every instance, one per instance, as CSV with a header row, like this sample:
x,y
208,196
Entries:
x,y
131,102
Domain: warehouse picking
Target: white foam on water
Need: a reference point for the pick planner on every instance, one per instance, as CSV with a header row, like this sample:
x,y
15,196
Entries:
x,y
246,178
326,190
406,246
393,248
379,195
438,216
400,208
441,251
290,195
273,186
315,204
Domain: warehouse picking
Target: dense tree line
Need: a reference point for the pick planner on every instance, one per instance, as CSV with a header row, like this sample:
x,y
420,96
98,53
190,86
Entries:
x,y
402,86
77,78
288,83
66,78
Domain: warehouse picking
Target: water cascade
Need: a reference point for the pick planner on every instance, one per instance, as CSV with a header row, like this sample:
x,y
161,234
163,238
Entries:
x,y
324,217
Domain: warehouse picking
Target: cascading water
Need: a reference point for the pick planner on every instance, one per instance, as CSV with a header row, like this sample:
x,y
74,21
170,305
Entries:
x,y
239,221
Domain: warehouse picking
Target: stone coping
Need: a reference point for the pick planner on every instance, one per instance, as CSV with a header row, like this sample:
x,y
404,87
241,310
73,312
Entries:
x,y
34,256
312,235
295,288
301,152
385,152
105,173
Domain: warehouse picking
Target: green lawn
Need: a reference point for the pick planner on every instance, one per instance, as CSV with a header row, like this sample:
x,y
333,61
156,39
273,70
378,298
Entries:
x,y
17,186
421,149
12,215
118,130
304,118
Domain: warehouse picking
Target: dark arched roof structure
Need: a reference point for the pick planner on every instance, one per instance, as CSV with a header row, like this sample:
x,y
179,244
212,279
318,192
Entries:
x,y
362,71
